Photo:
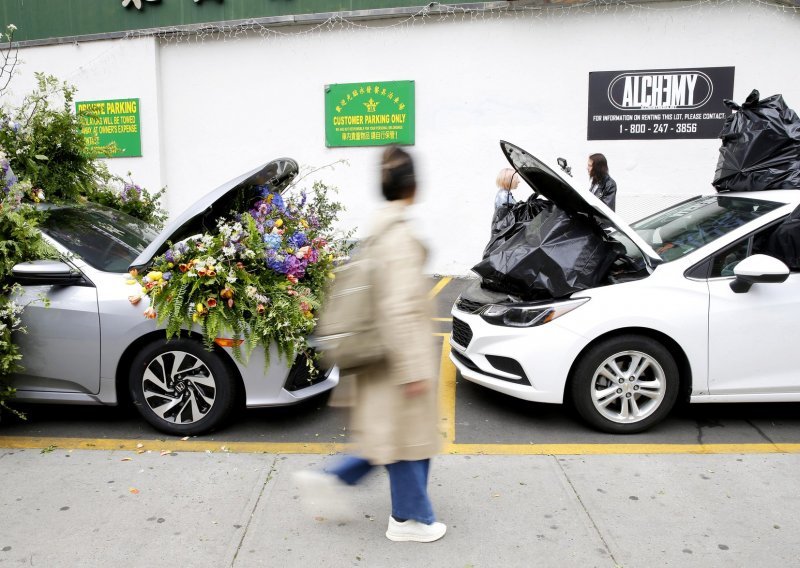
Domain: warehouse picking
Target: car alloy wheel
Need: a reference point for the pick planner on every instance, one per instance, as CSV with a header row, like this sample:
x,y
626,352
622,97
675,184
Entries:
x,y
181,388
628,387
625,384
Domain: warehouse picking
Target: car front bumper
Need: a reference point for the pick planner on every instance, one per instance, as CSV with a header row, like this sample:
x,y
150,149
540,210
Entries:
x,y
527,363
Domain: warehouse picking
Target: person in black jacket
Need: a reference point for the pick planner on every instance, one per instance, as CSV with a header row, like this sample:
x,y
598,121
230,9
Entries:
x,y
602,186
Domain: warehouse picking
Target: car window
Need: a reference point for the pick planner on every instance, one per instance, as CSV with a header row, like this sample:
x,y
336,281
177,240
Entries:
x,y
105,239
684,228
726,260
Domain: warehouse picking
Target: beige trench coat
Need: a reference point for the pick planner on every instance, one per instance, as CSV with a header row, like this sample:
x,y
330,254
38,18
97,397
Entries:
x,y
386,425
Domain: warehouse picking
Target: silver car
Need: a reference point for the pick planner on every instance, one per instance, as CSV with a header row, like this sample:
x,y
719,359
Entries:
x,y
88,345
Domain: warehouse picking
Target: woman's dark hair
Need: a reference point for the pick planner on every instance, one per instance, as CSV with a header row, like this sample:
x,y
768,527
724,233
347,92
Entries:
x,y
599,167
397,174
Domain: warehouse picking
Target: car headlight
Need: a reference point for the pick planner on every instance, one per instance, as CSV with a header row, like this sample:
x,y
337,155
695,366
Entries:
x,y
528,315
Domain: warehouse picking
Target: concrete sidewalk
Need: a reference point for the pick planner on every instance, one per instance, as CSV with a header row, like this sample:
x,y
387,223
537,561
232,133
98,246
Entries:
x,y
119,508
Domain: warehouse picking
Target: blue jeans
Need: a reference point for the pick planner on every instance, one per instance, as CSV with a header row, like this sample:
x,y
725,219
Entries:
x,y
408,481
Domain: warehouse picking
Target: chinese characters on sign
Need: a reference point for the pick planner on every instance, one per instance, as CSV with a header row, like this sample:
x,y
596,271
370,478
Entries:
x,y
658,104
369,114
111,128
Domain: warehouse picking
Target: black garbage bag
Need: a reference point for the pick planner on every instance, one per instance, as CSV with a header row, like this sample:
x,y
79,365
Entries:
x,y
508,220
760,146
784,242
554,255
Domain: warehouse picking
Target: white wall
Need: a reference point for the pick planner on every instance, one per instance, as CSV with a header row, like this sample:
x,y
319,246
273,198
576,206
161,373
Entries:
x,y
229,105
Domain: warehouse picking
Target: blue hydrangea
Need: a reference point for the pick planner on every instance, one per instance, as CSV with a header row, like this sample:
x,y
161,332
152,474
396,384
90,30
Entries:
x,y
297,240
272,241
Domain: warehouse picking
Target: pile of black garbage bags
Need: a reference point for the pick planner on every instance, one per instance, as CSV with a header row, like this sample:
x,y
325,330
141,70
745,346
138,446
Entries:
x,y
760,146
761,150
538,251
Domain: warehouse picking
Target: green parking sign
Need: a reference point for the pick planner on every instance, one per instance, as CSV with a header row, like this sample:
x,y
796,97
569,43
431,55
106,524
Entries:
x,y
369,114
111,128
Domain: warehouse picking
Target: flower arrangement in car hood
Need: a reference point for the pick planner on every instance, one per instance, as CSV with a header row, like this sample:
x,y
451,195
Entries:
x,y
259,277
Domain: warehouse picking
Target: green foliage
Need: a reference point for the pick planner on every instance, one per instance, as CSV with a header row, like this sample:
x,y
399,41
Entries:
x,y
258,278
44,142
45,145
132,199
19,240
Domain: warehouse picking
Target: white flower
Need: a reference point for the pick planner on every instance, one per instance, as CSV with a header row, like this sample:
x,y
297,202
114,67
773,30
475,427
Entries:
x,y
11,28
229,251
230,278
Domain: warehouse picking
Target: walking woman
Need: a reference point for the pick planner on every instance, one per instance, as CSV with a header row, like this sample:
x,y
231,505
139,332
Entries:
x,y
602,186
394,412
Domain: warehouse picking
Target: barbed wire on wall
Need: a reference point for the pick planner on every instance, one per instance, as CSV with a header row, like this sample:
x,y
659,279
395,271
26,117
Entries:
x,y
299,25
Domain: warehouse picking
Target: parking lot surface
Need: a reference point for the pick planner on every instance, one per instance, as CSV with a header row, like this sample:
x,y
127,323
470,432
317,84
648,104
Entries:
x,y
474,420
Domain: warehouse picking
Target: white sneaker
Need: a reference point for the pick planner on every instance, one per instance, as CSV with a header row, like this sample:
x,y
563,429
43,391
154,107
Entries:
x,y
415,531
323,494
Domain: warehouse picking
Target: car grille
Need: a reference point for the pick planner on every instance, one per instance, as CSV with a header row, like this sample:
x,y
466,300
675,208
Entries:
x,y
462,334
467,305
300,376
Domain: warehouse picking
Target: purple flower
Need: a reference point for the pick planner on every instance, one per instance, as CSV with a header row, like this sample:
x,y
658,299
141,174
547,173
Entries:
x,y
166,275
276,262
295,266
297,240
169,256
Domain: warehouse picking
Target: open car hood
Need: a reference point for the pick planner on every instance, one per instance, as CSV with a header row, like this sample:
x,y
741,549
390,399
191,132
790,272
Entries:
x,y
238,195
551,185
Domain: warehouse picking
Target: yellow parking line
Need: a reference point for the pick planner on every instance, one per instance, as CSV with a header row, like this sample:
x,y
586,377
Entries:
x,y
439,285
447,392
442,319
176,445
618,449
171,445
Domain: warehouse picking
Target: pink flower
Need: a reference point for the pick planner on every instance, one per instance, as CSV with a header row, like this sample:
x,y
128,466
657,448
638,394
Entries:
x,y
150,313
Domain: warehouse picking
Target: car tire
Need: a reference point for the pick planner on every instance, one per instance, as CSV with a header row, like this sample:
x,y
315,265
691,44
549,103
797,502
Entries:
x,y
181,388
625,384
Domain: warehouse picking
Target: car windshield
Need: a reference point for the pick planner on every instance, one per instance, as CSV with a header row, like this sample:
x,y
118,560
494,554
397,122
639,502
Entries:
x,y
106,239
684,228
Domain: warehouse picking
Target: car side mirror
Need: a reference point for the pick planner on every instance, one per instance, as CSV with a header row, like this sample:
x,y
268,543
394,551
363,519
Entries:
x,y
758,269
46,273
562,163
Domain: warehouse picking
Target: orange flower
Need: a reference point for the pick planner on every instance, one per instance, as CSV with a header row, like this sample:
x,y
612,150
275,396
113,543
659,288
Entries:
x,y
134,299
211,302
183,267
211,273
261,309
240,265
226,293
292,278
150,313
201,272
133,272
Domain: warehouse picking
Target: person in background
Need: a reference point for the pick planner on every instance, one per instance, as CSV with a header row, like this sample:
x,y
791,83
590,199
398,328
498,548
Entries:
x,y
507,181
394,418
602,186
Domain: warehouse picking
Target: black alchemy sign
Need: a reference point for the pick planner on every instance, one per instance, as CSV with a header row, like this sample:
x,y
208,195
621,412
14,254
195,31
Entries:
x,y
658,104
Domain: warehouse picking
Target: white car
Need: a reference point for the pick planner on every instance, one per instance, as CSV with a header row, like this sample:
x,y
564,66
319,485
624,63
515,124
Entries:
x,y
712,317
